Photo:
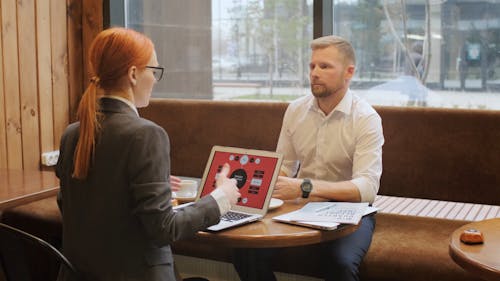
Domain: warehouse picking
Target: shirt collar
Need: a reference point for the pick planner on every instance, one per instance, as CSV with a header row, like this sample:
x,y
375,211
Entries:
x,y
344,106
122,99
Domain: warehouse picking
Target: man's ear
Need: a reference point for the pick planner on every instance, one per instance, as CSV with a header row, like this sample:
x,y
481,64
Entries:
x,y
132,75
349,71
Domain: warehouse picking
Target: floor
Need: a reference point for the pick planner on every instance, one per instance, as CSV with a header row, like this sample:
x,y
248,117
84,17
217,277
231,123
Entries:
x,y
221,271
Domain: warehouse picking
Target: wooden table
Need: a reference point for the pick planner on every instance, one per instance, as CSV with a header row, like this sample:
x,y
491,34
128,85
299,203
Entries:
x,y
480,259
268,233
21,186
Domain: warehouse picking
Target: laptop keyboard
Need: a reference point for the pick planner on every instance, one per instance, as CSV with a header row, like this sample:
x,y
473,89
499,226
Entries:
x,y
232,216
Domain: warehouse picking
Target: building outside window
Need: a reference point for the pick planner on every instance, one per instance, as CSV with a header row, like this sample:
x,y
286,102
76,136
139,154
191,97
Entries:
x,y
437,53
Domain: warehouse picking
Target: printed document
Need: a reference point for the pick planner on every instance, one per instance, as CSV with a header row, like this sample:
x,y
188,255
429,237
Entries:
x,y
336,212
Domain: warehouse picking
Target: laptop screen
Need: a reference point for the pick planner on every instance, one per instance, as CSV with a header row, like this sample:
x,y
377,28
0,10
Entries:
x,y
253,174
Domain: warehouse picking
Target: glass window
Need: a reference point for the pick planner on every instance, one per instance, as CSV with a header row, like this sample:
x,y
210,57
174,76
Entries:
x,y
260,48
226,49
440,53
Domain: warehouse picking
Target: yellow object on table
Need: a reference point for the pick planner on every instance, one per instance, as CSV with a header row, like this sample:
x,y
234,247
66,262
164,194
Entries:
x,y
174,202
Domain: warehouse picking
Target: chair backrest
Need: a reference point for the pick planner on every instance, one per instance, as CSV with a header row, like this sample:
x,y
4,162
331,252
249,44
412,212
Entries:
x,y
24,257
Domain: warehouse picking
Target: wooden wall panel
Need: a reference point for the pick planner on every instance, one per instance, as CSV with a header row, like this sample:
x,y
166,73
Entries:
x,y
44,69
3,141
75,57
11,85
60,88
92,22
28,87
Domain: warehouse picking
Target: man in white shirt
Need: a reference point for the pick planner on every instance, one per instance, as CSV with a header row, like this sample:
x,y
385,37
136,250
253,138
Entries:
x,y
332,146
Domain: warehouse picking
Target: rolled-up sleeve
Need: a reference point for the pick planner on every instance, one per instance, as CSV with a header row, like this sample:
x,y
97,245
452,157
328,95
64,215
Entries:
x,y
285,147
367,160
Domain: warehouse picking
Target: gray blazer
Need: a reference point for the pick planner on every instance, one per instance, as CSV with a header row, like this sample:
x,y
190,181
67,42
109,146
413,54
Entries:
x,y
118,223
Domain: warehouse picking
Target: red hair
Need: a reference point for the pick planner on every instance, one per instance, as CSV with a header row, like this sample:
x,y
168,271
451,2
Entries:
x,y
112,53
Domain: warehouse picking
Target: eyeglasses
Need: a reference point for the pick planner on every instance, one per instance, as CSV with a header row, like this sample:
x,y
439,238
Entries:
x,y
157,71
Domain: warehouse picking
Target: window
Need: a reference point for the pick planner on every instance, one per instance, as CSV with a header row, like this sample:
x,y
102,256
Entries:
x,y
225,49
442,53
454,46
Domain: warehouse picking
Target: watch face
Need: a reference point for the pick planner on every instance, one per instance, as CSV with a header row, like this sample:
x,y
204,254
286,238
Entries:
x,y
306,186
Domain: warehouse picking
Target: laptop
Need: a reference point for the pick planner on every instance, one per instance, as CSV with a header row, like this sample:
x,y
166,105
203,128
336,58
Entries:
x,y
255,171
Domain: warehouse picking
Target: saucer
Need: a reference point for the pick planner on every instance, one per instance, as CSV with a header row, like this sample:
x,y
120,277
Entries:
x,y
275,203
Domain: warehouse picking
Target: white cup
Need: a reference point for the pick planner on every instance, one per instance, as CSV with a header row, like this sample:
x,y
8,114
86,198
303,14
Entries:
x,y
188,189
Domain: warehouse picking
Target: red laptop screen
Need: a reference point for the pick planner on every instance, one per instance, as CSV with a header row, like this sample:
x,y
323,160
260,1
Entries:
x,y
252,173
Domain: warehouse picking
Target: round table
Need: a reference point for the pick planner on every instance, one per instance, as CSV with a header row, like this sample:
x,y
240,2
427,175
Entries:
x,y
480,259
268,233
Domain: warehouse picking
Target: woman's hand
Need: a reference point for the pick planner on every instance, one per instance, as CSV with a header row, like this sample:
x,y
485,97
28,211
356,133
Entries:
x,y
227,185
175,183
287,188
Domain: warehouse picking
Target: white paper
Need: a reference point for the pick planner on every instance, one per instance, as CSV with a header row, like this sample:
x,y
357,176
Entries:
x,y
313,224
338,212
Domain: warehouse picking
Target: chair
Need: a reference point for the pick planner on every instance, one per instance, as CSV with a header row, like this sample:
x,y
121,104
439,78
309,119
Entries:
x,y
24,257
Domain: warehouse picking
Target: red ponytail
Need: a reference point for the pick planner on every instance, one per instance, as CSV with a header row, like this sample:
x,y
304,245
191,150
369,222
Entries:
x,y
89,127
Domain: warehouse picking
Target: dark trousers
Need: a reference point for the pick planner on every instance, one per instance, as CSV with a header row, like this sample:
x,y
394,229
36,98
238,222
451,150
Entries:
x,y
341,258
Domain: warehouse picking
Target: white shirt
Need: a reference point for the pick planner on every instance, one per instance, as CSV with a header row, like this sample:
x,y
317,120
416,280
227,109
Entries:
x,y
345,145
219,195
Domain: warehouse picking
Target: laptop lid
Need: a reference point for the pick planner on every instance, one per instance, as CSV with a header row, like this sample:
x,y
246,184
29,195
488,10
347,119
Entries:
x,y
255,171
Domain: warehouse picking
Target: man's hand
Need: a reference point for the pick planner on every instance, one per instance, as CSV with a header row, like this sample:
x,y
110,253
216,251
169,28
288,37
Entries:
x,y
175,183
227,185
287,188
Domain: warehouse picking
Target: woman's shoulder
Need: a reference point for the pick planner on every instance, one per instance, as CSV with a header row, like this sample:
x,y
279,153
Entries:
x,y
148,124
145,126
132,123
72,129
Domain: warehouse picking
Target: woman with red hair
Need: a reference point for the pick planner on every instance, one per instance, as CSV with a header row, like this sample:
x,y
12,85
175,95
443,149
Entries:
x,y
114,171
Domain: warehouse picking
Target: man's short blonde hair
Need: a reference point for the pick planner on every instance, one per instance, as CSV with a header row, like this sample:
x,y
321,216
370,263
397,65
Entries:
x,y
342,45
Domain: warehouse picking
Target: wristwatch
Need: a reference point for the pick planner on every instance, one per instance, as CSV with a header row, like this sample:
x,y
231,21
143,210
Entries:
x,y
306,187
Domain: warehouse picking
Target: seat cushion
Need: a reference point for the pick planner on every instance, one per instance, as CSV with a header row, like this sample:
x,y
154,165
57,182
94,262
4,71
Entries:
x,y
40,218
412,248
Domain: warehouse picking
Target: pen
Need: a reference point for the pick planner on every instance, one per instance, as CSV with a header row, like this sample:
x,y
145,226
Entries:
x,y
324,208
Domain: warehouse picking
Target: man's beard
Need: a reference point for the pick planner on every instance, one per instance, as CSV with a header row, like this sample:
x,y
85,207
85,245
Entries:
x,y
320,91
